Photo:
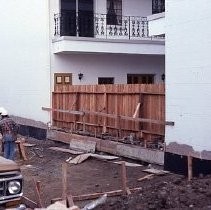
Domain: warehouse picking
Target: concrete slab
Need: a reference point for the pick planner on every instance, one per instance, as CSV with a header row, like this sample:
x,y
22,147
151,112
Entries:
x,y
115,148
81,145
139,153
108,146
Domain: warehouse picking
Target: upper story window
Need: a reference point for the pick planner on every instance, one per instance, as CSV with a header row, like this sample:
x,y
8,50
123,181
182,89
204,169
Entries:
x,y
158,6
114,12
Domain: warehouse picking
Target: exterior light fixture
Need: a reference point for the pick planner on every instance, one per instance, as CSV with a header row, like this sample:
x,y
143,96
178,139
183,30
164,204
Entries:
x,y
80,76
163,77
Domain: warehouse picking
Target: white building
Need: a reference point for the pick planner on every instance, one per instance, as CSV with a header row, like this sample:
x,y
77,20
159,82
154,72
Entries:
x,y
48,41
188,87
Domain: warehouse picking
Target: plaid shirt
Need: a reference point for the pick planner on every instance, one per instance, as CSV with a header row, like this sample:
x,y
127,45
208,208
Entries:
x,y
8,126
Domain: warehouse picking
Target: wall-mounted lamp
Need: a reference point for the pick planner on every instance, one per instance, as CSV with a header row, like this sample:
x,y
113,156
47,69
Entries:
x,y
163,77
80,76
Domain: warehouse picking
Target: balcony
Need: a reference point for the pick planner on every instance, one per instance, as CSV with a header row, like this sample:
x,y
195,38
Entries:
x,y
123,33
156,24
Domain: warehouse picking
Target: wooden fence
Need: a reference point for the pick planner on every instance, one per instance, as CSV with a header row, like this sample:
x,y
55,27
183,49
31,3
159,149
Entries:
x,y
120,110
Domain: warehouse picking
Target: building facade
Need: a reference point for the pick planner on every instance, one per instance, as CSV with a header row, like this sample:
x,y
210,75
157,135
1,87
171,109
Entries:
x,y
188,76
74,42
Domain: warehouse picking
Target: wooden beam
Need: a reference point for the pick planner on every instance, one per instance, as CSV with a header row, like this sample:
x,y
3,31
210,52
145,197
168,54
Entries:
x,y
97,195
21,150
29,203
37,194
109,194
64,181
105,111
146,177
63,111
136,111
111,116
111,93
124,178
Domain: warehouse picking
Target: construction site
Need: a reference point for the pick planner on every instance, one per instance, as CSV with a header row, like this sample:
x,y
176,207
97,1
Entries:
x,y
98,154
105,104
57,177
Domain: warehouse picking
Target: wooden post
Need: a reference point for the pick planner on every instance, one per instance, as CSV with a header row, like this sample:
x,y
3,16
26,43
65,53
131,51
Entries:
x,y
118,126
38,183
145,143
84,124
124,178
69,201
37,193
190,167
105,118
21,150
95,132
64,181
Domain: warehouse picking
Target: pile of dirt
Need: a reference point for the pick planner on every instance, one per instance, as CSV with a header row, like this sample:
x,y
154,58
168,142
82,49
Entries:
x,y
170,191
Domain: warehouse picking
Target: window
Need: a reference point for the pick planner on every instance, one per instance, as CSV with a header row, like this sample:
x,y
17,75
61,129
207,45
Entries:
x,y
114,12
158,6
140,78
105,80
63,79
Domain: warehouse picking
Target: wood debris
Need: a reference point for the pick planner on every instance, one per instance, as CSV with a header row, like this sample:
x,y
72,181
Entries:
x,y
28,145
149,176
73,152
83,157
128,164
156,171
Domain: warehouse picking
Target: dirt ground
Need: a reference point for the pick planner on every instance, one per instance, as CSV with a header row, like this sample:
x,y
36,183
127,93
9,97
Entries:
x,y
160,192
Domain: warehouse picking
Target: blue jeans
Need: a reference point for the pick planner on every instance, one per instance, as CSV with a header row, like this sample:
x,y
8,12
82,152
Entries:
x,y
9,146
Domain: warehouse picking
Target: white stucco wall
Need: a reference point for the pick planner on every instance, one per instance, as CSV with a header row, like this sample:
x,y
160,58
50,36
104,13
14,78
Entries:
x,y
156,24
188,72
24,55
137,7
108,65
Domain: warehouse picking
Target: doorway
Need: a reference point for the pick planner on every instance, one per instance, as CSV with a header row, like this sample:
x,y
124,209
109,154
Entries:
x,y
77,18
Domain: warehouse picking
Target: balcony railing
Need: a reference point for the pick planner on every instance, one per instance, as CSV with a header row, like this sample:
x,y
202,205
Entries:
x,y
95,25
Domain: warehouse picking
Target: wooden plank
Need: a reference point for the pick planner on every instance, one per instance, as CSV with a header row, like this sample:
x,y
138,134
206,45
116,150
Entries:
x,y
70,202
156,171
103,105
124,178
112,93
74,152
21,150
37,194
105,111
149,176
112,116
136,111
29,203
63,111
64,181
109,194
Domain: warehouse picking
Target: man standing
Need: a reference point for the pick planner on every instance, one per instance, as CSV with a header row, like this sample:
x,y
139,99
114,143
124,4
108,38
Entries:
x,y
8,129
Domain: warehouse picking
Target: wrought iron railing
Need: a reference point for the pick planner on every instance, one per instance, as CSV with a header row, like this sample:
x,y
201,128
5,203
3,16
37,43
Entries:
x,y
95,25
